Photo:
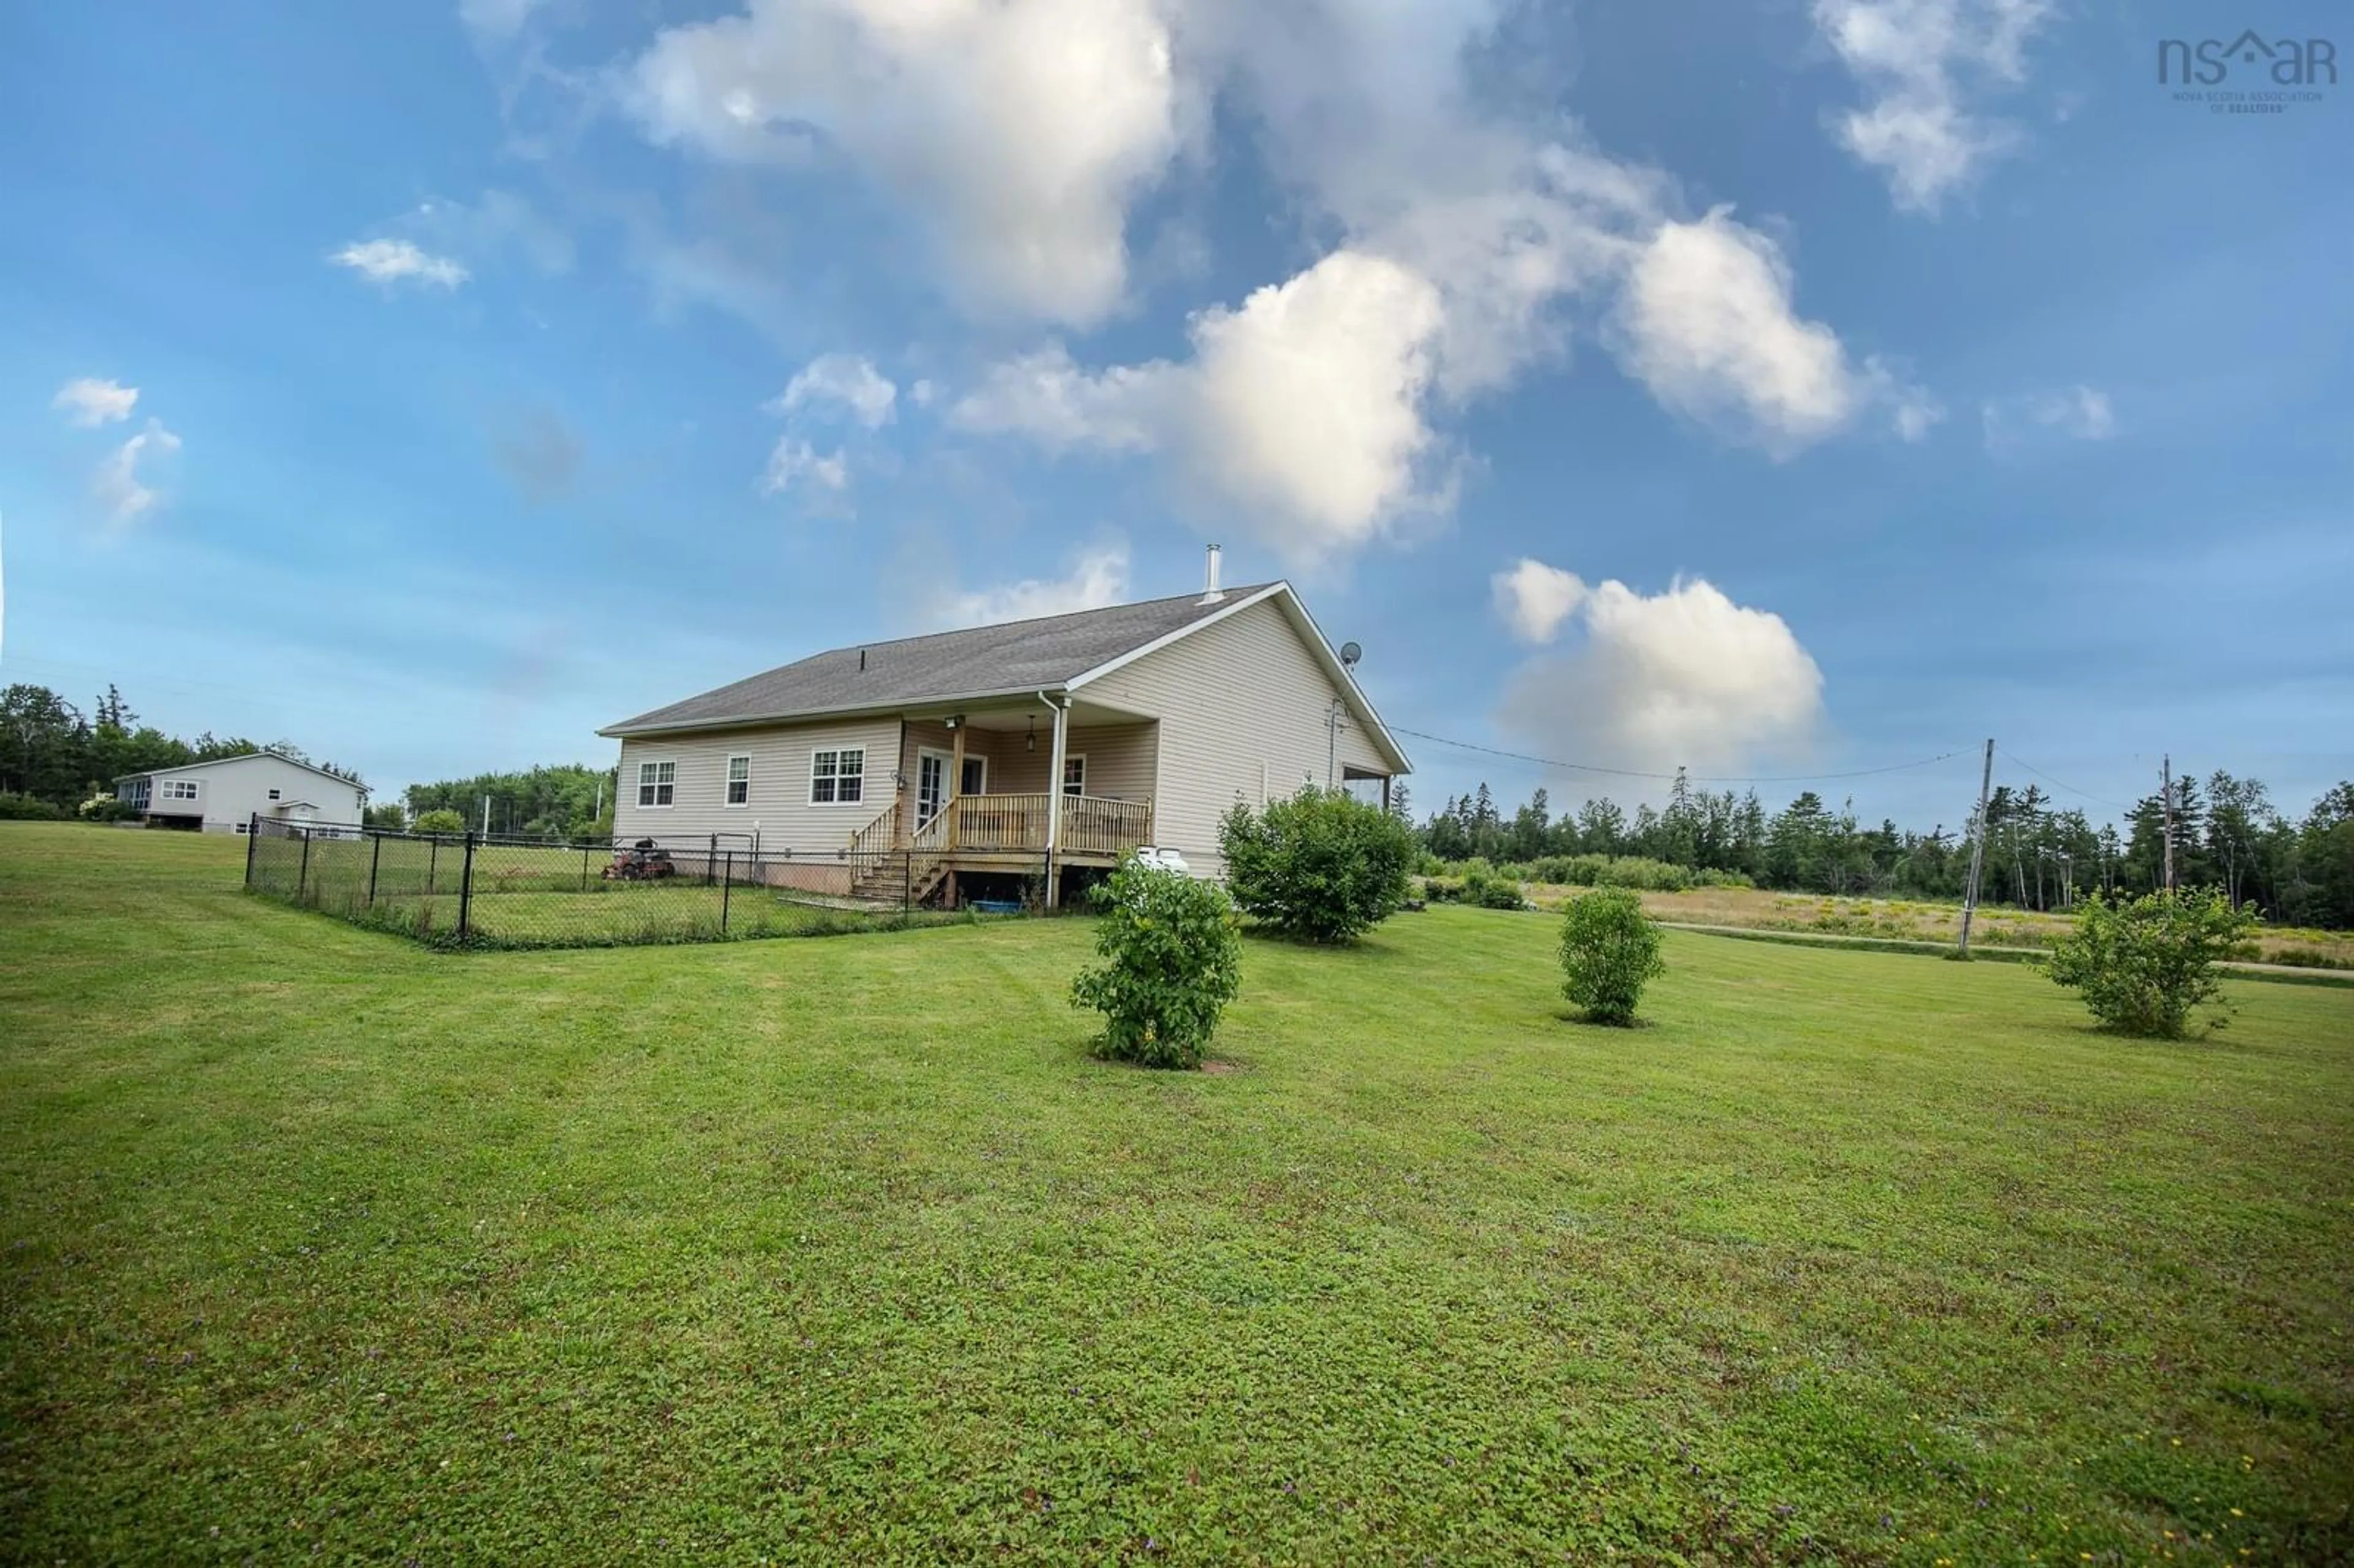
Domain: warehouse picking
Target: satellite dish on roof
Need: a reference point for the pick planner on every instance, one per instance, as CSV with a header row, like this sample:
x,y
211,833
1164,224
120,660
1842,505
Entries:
x,y
1350,654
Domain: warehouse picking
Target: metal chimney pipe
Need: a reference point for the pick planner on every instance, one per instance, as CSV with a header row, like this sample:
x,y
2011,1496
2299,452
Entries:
x,y
1211,593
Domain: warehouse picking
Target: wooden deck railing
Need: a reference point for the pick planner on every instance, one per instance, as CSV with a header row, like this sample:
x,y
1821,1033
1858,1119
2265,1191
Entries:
x,y
1095,826
1016,824
876,837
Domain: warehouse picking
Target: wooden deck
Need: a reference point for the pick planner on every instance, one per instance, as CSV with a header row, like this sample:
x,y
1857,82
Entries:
x,y
998,833
1015,825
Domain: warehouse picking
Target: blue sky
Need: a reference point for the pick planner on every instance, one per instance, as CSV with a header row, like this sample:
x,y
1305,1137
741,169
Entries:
x,y
1782,389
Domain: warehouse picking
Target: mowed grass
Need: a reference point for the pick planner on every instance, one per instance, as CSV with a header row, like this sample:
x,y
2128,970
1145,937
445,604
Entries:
x,y
314,1242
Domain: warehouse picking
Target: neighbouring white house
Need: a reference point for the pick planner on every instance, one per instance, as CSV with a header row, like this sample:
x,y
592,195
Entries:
x,y
1067,741
225,795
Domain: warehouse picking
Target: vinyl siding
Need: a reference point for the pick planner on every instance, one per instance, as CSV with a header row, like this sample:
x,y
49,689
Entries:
x,y
231,792
1242,705
1121,759
778,810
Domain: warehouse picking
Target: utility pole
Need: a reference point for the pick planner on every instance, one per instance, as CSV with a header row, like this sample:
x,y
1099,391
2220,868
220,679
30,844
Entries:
x,y
486,816
1978,848
2166,792
1331,740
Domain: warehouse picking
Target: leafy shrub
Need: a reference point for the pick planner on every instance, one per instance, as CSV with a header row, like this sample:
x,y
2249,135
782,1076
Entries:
x,y
14,808
1624,871
1321,865
2143,964
1609,951
1484,885
107,808
441,820
1173,961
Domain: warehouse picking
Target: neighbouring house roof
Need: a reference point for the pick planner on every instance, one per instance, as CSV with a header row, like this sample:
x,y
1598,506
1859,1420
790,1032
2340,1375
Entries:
x,y
1015,658
242,756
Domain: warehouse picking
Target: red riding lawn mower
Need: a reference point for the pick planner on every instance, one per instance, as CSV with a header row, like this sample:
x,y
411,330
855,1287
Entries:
x,y
641,861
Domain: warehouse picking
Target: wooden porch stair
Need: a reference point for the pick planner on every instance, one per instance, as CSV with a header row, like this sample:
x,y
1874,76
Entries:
x,y
883,881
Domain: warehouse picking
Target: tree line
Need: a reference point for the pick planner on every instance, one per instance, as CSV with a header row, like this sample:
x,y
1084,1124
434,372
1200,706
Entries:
x,y
54,753
2228,833
565,800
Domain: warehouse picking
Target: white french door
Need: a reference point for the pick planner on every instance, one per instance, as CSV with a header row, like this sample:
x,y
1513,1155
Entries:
x,y
931,784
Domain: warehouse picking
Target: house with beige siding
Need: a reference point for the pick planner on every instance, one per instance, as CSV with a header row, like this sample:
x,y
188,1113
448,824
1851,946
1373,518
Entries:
x,y
1052,747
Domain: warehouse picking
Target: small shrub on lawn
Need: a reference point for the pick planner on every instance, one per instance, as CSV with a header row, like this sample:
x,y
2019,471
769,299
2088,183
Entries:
x,y
1489,888
1609,951
2144,964
1173,962
440,820
1322,866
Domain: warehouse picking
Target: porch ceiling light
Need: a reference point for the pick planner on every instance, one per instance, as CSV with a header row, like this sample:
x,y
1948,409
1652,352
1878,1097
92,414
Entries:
x,y
1029,741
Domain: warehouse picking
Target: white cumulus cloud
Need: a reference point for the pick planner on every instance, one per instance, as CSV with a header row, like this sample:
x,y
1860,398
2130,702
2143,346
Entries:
x,y
1098,577
1017,131
118,485
1535,598
1302,409
1707,326
395,261
794,461
845,380
1464,235
90,402
1655,682
1919,61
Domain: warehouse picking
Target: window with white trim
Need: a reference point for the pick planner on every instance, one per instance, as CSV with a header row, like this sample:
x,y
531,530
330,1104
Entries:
x,y
1075,774
740,780
179,789
657,783
838,776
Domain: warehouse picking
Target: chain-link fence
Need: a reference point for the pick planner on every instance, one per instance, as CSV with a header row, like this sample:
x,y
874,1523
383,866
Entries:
x,y
490,891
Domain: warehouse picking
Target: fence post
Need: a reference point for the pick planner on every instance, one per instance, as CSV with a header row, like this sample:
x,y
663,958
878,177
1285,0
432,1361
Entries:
x,y
466,891
726,881
252,831
375,858
584,866
303,877
711,861
432,862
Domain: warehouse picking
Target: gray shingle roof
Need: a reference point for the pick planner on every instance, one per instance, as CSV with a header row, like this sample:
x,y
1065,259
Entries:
x,y
948,666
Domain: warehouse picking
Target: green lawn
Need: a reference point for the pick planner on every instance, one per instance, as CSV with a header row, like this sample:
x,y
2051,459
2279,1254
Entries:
x,y
312,1241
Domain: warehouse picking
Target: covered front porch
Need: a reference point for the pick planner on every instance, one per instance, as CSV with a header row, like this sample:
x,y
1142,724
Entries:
x,y
977,792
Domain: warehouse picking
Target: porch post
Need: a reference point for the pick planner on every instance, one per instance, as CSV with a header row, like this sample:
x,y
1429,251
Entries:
x,y
1054,800
955,787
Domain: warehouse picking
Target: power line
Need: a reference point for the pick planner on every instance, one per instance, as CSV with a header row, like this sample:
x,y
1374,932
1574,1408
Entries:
x,y
2096,799
1670,777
